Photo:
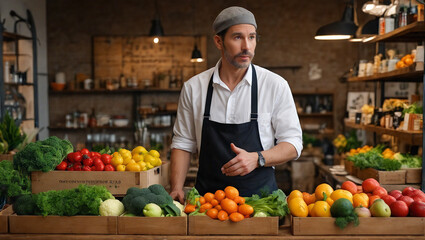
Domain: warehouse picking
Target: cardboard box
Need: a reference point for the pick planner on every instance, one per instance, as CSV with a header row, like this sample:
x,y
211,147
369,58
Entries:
x,y
413,175
4,219
152,225
203,225
62,224
325,226
116,182
383,177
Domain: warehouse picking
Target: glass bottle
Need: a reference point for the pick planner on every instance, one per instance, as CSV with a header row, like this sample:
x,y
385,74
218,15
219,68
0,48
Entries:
x,y
92,119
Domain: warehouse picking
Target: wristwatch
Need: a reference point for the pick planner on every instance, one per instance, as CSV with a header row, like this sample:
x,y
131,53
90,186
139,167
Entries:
x,y
261,160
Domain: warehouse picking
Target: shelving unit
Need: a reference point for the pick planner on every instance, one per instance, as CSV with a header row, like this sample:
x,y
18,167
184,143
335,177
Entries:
x,y
24,57
414,32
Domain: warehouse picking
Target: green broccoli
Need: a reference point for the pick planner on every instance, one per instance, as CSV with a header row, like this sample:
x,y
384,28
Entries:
x,y
133,191
12,182
64,145
67,147
137,204
158,189
24,205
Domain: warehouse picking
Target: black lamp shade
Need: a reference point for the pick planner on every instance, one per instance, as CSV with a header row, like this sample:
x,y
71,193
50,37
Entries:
x,y
196,55
343,29
371,27
156,29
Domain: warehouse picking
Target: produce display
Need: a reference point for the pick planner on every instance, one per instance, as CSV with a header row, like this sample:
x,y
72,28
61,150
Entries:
x,y
352,201
227,204
139,159
84,160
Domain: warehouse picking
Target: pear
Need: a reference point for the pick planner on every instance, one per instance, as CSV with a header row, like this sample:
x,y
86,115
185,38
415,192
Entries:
x,y
380,209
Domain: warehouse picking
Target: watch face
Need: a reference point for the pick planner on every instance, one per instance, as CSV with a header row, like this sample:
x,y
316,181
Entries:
x,y
261,160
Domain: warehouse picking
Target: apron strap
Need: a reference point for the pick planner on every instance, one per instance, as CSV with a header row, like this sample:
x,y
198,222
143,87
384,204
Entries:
x,y
254,96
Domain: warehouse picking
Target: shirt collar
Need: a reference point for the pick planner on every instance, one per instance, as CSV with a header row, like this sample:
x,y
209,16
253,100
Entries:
x,y
217,80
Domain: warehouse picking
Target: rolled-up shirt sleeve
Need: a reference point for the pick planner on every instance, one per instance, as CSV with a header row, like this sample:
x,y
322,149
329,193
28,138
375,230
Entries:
x,y
184,128
285,120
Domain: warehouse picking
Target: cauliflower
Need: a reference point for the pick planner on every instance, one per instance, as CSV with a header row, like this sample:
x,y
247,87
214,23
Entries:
x,y
181,207
111,207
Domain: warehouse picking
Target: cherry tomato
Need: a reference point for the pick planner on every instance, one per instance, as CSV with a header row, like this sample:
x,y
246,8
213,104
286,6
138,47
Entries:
x,y
62,166
85,151
106,158
109,167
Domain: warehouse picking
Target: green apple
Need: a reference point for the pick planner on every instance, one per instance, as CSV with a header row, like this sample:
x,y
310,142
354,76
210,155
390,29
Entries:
x,y
152,210
380,209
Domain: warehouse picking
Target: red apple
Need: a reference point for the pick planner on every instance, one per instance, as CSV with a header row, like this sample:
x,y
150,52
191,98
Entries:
x,y
380,191
388,199
417,209
369,185
408,200
396,194
407,190
399,209
419,198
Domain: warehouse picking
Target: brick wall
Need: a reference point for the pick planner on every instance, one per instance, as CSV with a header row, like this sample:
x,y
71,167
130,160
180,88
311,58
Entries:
x,y
287,29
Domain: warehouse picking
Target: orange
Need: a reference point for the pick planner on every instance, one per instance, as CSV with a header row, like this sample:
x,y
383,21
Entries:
x,y
212,213
239,200
236,217
231,192
323,188
309,198
400,64
310,212
218,207
202,200
298,208
205,207
245,209
294,194
222,215
214,202
219,195
408,61
361,199
229,205
209,196
321,209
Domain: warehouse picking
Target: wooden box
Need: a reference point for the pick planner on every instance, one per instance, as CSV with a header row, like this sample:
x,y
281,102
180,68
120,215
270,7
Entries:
x,y
349,167
383,177
203,225
368,226
8,157
165,173
4,219
116,182
152,225
62,224
413,175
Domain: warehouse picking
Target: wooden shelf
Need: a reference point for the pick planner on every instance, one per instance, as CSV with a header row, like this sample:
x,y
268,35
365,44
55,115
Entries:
x,y
7,36
403,74
118,91
61,128
409,137
313,92
413,32
327,114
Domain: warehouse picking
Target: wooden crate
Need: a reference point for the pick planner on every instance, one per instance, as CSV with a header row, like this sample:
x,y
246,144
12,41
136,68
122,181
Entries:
x,y
320,226
413,175
349,167
165,173
383,177
152,225
62,224
203,225
4,219
8,157
116,182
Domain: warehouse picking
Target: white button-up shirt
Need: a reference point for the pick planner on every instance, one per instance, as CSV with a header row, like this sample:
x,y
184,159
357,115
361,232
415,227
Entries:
x,y
277,115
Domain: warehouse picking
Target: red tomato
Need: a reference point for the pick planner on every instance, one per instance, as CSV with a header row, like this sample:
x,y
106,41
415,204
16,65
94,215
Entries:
x,y
93,168
95,154
369,185
106,158
97,161
408,200
88,162
100,166
396,194
70,157
399,209
70,168
388,199
109,167
78,167
417,209
86,168
77,157
62,166
419,198
380,191
407,191
85,151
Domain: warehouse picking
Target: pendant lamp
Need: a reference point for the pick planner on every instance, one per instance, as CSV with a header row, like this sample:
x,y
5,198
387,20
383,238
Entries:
x,y
196,54
340,30
369,29
156,28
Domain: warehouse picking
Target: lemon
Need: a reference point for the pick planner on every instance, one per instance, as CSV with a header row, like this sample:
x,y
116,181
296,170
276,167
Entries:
x,y
127,159
139,150
133,167
150,159
125,153
141,164
117,160
158,162
121,168
149,166
138,157
116,154
154,153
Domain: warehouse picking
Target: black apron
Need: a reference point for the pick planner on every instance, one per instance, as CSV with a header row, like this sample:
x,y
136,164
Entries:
x,y
215,151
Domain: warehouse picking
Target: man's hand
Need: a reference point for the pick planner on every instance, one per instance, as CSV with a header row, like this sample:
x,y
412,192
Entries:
x,y
178,195
244,162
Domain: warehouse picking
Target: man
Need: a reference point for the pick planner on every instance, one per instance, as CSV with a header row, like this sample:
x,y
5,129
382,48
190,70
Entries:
x,y
241,118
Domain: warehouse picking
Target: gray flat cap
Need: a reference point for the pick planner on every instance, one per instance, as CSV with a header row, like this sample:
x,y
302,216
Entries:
x,y
233,16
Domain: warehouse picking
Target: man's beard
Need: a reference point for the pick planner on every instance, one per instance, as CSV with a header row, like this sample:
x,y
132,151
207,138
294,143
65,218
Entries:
x,y
232,59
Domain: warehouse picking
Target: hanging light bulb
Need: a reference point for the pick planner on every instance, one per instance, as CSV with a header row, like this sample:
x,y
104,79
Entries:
x,y
156,28
196,55
340,30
